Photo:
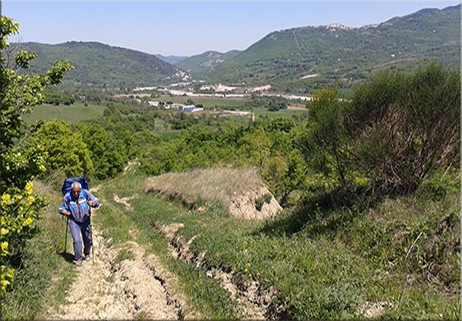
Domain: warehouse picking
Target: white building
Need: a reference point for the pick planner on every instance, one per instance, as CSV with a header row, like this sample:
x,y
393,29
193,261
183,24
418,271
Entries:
x,y
153,103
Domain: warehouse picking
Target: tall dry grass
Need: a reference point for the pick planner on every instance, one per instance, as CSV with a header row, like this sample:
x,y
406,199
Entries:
x,y
222,184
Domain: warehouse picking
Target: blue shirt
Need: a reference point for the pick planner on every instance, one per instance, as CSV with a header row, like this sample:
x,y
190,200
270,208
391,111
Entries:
x,y
79,208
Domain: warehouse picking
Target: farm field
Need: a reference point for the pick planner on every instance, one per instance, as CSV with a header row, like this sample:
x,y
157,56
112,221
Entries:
x,y
69,114
208,102
285,113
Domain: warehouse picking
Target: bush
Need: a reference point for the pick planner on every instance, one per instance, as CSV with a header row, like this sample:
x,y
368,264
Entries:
x,y
406,125
394,131
65,149
266,198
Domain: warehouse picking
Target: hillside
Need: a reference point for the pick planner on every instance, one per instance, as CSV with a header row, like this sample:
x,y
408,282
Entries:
x,y
97,64
171,59
206,61
297,60
343,54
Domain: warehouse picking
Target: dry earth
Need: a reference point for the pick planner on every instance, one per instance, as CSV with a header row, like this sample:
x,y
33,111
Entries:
x,y
242,205
108,288
296,108
131,289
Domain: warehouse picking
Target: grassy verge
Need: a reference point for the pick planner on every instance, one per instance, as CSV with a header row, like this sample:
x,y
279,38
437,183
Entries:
x,y
44,274
323,263
283,113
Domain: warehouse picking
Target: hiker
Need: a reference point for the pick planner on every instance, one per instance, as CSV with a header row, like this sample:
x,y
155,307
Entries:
x,y
76,207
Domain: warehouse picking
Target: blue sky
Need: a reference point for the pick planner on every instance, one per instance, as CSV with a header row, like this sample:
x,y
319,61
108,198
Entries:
x,y
186,28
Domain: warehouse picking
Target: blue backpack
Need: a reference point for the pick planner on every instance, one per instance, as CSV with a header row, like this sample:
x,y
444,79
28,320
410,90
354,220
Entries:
x,y
68,182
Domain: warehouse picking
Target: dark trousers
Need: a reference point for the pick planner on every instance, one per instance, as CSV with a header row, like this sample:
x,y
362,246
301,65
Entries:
x,y
78,228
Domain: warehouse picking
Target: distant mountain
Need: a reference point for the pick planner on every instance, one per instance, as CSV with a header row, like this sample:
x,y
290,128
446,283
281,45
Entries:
x,y
203,62
335,54
97,64
171,59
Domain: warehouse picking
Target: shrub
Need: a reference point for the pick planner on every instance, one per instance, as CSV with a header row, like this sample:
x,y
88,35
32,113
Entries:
x,y
266,198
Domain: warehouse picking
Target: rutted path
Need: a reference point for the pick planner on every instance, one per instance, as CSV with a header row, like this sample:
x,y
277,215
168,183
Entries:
x,y
131,289
115,287
136,286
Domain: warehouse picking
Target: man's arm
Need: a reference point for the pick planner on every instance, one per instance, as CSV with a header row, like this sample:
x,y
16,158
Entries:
x,y
92,200
64,207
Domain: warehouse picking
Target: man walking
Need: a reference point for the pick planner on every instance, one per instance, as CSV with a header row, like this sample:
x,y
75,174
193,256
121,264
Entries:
x,y
76,207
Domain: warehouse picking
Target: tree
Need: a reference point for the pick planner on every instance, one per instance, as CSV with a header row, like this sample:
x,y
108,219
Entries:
x,y
108,155
65,149
325,142
21,160
406,125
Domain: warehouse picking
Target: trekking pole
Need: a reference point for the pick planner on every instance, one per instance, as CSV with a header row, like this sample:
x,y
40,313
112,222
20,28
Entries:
x,y
92,242
65,242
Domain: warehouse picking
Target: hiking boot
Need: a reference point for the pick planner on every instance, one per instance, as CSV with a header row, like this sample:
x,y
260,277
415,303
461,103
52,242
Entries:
x,y
87,258
78,263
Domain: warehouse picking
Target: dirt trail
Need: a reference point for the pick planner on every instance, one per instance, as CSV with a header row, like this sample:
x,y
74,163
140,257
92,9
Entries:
x,y
130,289
136,286
120,288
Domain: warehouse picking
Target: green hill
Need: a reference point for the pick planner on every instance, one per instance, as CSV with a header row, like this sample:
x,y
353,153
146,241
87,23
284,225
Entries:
x,y
206,61
171,59
343,54
100,65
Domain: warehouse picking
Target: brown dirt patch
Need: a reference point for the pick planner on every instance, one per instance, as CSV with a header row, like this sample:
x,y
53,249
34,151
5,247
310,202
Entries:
x,y
296,108
243,204
137,288
373,309
124,200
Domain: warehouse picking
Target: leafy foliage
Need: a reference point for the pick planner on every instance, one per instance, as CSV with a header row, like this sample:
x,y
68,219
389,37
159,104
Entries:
x,y
108,155
21,160
65,149
266,198
390,135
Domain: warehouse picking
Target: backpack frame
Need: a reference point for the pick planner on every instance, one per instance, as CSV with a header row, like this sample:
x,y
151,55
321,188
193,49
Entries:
x,y
68,183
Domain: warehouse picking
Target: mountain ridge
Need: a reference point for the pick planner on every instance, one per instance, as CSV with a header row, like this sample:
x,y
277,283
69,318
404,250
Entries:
x,y
337,52
294,60
209,59
98,64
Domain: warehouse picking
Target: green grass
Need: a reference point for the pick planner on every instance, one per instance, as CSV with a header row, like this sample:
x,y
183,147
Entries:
x,y
70,114
205,295
323,263
285,113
